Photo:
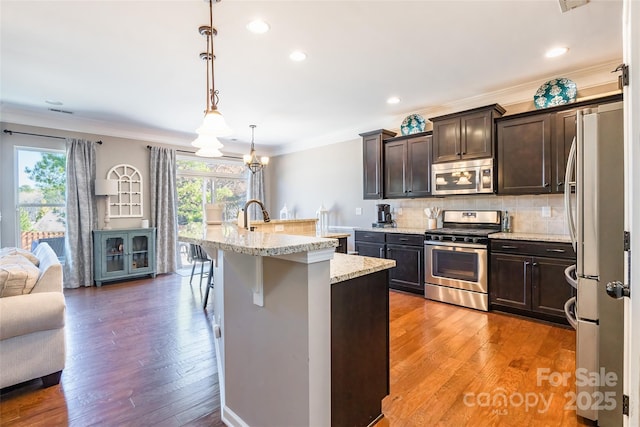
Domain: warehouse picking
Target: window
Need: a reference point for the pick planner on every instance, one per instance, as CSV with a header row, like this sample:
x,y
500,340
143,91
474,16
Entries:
x,y
41,197
202,181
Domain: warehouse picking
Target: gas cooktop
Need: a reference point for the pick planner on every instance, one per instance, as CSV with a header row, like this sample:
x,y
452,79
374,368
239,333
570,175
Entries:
x,y
466,226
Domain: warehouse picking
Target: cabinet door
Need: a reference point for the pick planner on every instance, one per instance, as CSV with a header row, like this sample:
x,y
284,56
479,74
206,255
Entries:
x,y
565,132
550,290
418,174
372,167
140,252
446,140
476,135
395,156
113,262
375,250
524,155
408,272
510,281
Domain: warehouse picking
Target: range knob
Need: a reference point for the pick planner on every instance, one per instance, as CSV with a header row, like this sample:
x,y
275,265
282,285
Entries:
x,y
440,238
467,239
475,240
453,238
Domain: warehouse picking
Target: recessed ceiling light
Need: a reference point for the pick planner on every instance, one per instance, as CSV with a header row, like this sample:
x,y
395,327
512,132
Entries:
x,y
51,102
393,100
556,51
258,26
298,56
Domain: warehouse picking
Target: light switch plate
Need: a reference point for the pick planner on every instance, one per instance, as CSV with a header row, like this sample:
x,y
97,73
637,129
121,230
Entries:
x,y
546,211
358,211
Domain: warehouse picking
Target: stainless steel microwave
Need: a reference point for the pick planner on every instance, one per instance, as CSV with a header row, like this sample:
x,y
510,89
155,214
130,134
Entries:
x,y
467,177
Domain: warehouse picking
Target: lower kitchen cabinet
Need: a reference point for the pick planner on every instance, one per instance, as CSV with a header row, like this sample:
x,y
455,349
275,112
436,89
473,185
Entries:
x,y
527,278
123,254
406,249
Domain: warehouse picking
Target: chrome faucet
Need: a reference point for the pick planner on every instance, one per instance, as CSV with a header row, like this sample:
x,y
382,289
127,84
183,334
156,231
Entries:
x,y
265,214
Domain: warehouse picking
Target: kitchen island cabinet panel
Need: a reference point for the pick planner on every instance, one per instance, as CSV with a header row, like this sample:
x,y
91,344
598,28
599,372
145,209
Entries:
x,y
359,349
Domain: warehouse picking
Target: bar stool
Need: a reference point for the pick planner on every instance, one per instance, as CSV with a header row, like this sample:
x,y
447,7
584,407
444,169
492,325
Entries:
x,y
199,255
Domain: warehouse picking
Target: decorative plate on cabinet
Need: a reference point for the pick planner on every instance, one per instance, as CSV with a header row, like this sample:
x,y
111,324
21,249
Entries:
x,y
411,124
555,92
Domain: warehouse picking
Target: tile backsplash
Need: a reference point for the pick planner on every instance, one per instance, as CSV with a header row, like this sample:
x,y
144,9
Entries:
x,y
525,211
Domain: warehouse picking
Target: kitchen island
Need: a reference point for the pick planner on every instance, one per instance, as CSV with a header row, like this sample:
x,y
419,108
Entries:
x,y
301,332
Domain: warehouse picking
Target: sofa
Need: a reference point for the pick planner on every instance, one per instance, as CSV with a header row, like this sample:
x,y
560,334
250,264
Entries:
x,y
32,319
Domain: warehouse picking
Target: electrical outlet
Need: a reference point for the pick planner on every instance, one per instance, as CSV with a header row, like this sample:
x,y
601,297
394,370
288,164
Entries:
x,y
279,227
358,211
546,212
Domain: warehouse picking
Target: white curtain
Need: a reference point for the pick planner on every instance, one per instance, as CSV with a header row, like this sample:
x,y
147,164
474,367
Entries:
x,y
81,215
255,190
164,207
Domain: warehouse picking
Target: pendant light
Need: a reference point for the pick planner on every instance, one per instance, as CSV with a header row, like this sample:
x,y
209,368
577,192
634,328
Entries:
x,y
213,124
251,160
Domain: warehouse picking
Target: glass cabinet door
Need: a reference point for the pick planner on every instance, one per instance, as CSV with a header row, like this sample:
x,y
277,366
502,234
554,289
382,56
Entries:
x,y
114,250
139,252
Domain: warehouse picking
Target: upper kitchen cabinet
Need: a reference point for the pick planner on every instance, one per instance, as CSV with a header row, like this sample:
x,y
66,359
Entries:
x,y
407,166
524,155
465,135
372,155
533,148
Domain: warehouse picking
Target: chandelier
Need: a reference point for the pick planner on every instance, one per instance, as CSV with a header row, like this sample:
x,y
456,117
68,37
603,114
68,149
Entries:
x,y
213,124
251,160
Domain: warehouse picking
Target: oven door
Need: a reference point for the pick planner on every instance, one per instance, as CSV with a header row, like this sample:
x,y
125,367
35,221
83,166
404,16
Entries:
x,y
462,266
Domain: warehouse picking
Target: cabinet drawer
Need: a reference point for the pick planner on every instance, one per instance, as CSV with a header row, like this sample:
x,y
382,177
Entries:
x,y
370,236
526,247
405,239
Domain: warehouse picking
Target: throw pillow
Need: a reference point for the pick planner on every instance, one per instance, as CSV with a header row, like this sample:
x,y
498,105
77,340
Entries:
x,y
18,278
19,251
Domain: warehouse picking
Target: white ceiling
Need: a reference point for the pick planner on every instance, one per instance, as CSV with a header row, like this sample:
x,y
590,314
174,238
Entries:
x,y
132,68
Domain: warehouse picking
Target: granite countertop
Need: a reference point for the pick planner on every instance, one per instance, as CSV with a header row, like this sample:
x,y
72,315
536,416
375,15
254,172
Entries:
x,y
344,267
393,230
536,237
336,235
284,221
233,239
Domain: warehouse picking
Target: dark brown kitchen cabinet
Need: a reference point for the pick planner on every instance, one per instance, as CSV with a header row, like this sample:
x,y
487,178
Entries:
x,y
532,148
372,167
406,249
524,155
407,166
527,278
465,135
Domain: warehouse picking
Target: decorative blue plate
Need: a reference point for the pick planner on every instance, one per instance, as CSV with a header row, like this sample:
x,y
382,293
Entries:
x,y
555,92
411,124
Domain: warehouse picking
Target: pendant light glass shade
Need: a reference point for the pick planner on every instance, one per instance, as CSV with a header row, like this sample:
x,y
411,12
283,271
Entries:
x,y
207,141
214,124
251,160
209,152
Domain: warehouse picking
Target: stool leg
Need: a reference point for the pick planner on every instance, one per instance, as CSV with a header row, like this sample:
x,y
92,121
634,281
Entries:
x,y
193,269
209,285
201,272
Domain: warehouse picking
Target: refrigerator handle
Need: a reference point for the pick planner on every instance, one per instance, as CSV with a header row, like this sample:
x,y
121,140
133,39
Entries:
x,y
569,184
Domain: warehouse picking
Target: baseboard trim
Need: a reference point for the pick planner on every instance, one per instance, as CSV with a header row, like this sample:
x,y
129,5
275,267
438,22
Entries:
x,y
230,418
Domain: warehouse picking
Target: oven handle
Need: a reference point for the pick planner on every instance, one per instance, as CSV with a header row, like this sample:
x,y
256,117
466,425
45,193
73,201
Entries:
x,y
446,245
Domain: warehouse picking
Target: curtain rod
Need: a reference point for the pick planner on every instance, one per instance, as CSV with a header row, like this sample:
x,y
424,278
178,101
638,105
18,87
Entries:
x,y
11,132
193,152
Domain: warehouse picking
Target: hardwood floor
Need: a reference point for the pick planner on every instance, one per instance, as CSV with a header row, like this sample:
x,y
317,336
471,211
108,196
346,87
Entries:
x,y
141,353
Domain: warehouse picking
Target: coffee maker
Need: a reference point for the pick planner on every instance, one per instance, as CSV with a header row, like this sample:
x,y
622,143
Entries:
x,y
384,217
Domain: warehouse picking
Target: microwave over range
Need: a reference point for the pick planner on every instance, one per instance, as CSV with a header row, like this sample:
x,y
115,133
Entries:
x,y
467,177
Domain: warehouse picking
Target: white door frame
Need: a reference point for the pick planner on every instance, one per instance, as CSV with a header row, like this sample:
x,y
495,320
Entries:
x,y
631,57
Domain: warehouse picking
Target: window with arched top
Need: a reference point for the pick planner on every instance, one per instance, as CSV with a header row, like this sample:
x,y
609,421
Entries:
x,y
128,202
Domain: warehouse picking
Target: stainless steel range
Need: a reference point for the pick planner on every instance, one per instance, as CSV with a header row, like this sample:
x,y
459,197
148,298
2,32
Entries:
x,y
456,258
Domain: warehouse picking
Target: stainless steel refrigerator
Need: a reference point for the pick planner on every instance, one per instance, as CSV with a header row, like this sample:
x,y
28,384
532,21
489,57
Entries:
x,y
596,225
